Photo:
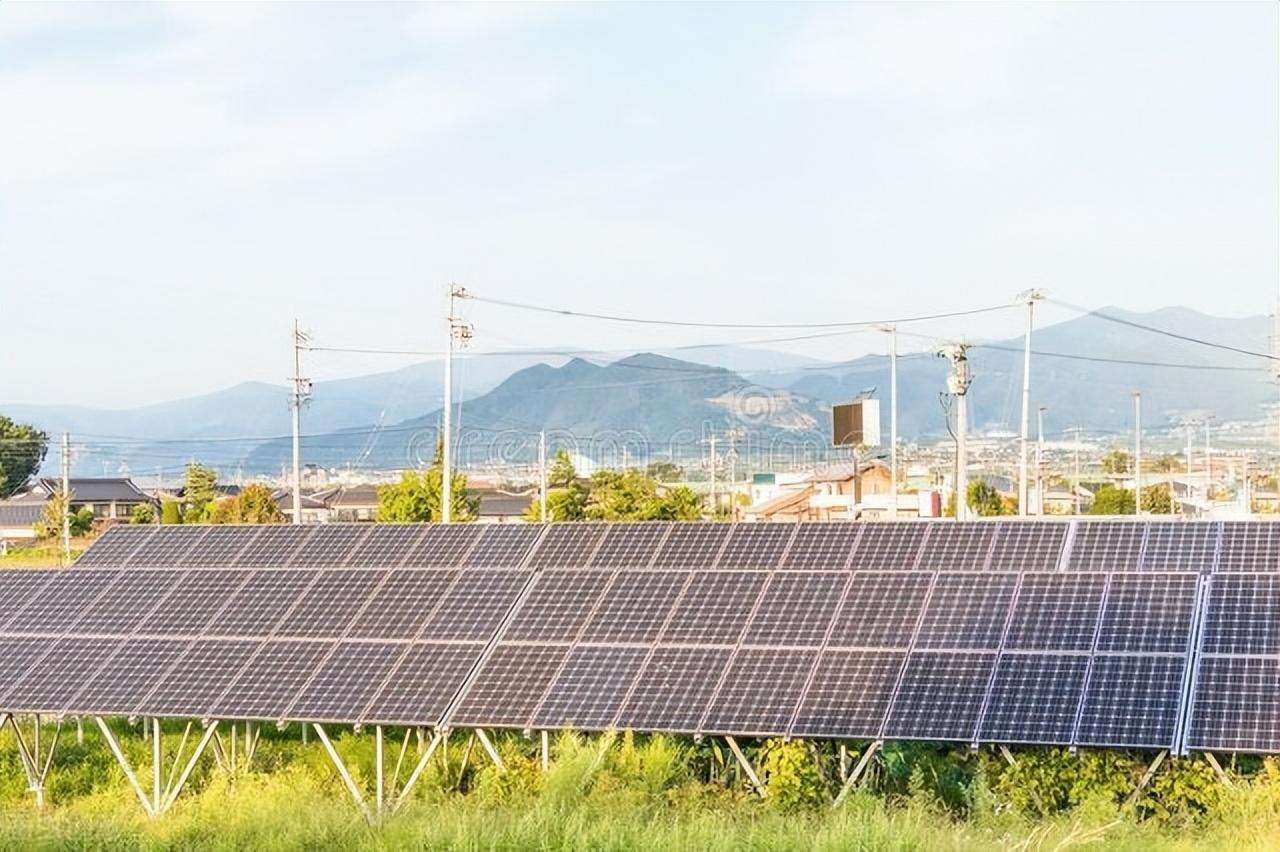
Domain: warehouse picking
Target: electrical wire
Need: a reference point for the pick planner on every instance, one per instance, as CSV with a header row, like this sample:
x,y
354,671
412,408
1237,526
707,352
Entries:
x,y
1154,330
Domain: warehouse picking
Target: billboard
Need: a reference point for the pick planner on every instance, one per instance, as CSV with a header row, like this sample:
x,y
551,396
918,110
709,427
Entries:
x,y
856,424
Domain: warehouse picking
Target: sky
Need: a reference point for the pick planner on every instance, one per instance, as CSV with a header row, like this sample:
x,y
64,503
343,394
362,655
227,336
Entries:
x,y
179,182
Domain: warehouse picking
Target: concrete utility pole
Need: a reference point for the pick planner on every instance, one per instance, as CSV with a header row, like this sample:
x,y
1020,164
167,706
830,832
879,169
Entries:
x,y
1030,297
1040,459
1075,486
66,499
1191,431
892,331
958,386
301,392
1208,463
455,329
542,476
1137,452
715,503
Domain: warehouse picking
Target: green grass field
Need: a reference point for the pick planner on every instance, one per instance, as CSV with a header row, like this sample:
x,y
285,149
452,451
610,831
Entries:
x,y
644,793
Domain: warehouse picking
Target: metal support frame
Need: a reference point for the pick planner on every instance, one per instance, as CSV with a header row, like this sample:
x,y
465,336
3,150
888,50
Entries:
x,y
546,751
1218,770
1146,779
1007,755
746,767
164,787
859,769
489,749
36,761
386,799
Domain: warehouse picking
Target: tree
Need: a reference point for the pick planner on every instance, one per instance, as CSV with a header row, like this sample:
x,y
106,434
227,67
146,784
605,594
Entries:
x,y
562,472
664,471
1167,463
24,447
255,504
1157,500
612,495
170,512
417,497
984,499
200,488
1117,461
143,513
1110,500
50,523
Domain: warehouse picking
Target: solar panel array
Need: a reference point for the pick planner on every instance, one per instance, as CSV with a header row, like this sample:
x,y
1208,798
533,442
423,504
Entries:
x,y
1076,633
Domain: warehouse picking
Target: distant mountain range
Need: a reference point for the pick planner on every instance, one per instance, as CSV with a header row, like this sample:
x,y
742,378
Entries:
x,y
668,403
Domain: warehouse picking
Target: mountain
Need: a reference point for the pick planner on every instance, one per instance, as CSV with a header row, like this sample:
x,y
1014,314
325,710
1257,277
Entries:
x,y
653,405
1074,374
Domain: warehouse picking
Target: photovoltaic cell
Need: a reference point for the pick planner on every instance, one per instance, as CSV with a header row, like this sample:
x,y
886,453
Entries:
x,y
473,607
635,607
760,692
345,682
1184,546
881,610
940,696
1056,612
568,545
796,609
1028,546
192,604
1034,698
166,547
714,608
503,546
442,546
1148,612
259,605
672,689
218,547
1132,702
507,690
557,606
134,667
629,545
889,546
823,546
1250,546
1243,615
331,604
850,693
967,611
113,547
1236,705
692,546
386,546
402,605
422,684
1106,546
274,546
271,680
757,546
590,687
957,547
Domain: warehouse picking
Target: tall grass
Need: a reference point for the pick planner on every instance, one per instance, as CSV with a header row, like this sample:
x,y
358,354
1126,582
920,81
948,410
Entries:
x,y
620,792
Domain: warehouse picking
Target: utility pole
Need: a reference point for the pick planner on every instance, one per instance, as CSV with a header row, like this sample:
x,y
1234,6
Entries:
x,y
66,499
1030,297
958,386
455,329
301,392
1137,452
892,331
1040,459
1075,484
715,503
542,476
1208,463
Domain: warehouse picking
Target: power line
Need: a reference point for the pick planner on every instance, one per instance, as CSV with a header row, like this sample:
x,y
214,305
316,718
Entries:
x,y
1176,336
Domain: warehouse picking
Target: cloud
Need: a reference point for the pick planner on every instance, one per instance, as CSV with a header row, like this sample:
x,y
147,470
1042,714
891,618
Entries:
x,y
461,22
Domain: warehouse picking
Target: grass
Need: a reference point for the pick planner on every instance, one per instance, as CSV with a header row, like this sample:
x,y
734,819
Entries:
x,y
41,555
624,793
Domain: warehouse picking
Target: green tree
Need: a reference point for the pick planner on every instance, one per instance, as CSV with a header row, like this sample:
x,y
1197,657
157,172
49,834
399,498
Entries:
x,y
664,471
50,523
200,488
681,504
562,473
170,512
1110,500
143,513
1167,463
984,499
1157,500
417,497
23,450
255,504
1117,461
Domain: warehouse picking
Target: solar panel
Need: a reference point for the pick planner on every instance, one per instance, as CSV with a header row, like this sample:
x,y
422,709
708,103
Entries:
x,y
1106,546
400,607
134,667
1132,702
881,610
940,696
503,546
1034,698
419,689
1180,547
386,546
506,692
1250,546
331,604
442,546
58,676
823,546
331,545
557,606
166,547
474,606
589,689
114,547
1243,615
1148,612
346,681
967,611
1236,705
672,689
270,681
61,601
568,544
630,545
126,603
1028,546
635,608
219,547
760,692
1056,612
796,609
849,695
714,608
274,546
958,547
192,603
17,656
260,604
756,546
197,679
17,588
889,547
692,546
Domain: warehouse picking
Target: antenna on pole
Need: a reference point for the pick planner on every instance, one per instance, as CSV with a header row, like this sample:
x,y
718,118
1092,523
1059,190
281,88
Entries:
x,y
958,382
455,330
301,393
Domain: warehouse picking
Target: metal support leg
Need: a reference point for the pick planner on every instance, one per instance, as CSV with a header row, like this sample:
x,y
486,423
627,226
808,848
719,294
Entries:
x,y
35,768
417,771
546,751
377,759
1218,770
156,758
859,769
844,762
1146,779
220,753
342,771
124,764
746,766
490,750
1008,756
466,758
395,773
175,787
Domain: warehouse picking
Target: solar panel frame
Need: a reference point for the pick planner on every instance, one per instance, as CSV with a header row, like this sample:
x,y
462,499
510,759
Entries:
x,y
1105,546
895,546
114,547
631,545
823,546
1181,546
961,546
1029,546
1249,546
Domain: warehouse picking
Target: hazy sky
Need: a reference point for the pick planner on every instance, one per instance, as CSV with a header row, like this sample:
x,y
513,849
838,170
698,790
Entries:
x,y
178,182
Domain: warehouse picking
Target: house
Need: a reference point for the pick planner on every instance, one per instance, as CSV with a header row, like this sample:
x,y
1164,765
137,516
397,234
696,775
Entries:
x,y
18,518
111,499
828,494
501,507
348,503
314,510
